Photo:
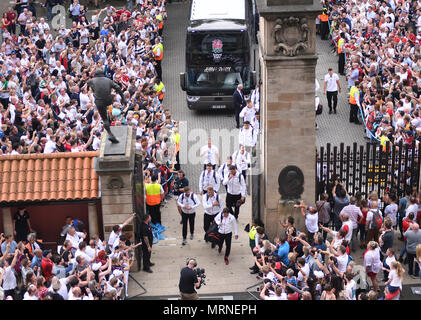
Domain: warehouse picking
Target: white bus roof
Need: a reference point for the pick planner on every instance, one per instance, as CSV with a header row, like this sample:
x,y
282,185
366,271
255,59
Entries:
x,y
218,9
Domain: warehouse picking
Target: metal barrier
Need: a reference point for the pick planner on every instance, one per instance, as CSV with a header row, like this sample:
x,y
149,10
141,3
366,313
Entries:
x,y
248,290
139,294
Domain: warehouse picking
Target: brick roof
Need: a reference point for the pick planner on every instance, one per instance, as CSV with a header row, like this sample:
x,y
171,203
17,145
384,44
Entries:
x,y
48,177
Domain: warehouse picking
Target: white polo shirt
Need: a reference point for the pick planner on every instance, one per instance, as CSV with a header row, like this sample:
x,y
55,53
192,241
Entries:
x,y
331,84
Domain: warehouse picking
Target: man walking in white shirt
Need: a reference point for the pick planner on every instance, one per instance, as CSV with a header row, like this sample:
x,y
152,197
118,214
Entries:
x,y
236,191
188,203
213,206
226,222
208,177
248,112
241,158
210,154
331,88
224,170
247,135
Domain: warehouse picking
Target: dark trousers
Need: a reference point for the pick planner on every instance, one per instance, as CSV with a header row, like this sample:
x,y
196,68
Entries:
x,y
177,159
341,63
207,220
411,257
12,28
227,239
231,201
326,225
146,256
361,229
332,96
158,69
237,117
155,213
190,218
353,113
244,173
324,30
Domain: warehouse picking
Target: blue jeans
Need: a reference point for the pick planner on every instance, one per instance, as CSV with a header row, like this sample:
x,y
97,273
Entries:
x,y
68,269
361,229
403,250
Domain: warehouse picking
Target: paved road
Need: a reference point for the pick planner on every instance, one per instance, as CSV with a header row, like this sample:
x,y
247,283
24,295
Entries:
x,y
334,128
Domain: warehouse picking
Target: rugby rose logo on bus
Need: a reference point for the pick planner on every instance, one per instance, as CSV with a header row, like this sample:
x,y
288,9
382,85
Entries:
x,y
217,49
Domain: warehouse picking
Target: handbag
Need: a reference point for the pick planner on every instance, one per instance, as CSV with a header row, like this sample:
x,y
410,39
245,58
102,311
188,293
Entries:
x,y
319,109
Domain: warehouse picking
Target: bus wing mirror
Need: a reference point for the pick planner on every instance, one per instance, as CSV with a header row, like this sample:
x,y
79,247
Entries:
x,y
253,79
183,81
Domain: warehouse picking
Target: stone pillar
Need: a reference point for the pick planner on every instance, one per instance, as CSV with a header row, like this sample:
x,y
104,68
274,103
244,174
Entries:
x,y
115,166
7,221
93,219
287,52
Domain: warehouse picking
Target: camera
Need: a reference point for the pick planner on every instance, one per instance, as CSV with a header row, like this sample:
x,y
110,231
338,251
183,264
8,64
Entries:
x,y
200,272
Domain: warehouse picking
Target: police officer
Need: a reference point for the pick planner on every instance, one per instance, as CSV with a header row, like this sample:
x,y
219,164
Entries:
x,y
146,237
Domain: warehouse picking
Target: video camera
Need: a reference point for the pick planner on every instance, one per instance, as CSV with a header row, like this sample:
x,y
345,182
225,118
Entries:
x,y
200,272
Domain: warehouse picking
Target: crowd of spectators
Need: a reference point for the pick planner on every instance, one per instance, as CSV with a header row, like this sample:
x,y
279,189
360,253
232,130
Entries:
x,y
46,107
319,263
382,59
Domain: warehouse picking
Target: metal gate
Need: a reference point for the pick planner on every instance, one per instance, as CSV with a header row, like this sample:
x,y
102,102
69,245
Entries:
x,y
393,168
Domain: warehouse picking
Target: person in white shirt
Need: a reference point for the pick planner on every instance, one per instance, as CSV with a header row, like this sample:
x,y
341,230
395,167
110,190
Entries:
x,y
241,159
350,287
115,234
31,293
236,191
224,170
391,210
209,177
82,251
248,112
75,238
9,279
331,88
247,135
50,146
412,207
395,278
372,263
226,223
311,219
210,154
255,97
213,205
188,203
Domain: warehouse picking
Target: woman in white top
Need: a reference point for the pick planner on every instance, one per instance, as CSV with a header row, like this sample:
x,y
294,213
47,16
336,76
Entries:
x,y
372,263
395,278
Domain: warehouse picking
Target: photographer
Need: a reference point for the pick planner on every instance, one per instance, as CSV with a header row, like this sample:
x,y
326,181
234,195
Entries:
x,y
189,281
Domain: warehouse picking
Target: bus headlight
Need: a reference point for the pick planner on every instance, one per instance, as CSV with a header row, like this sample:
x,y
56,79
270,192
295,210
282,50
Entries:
x,y
192,98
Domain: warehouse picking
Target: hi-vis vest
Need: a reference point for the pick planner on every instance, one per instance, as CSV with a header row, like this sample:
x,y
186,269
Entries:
x,y
161,22
323,17
352,92
155,51
158,88
340,43
252,233
153,194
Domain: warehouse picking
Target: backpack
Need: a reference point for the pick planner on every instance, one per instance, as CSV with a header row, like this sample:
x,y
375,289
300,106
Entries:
x,y
376,222
217,197
214,175
191,197
213,235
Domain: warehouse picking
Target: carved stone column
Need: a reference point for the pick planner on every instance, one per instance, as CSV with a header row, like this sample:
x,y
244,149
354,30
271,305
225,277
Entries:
x,y
287,50
115,167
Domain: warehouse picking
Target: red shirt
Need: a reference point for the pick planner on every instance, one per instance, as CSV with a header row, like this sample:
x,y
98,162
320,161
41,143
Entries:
x,y
11,16
47,268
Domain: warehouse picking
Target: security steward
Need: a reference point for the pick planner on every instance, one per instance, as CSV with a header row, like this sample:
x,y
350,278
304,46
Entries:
x,y
154,196
146,237
159,89
189,281
158,53
324,24
341,54
354,103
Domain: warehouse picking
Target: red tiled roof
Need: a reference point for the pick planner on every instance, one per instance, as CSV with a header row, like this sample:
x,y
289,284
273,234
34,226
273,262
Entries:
x,y
48,177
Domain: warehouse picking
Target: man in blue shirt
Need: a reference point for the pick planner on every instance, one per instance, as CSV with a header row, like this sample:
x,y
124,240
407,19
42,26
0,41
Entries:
x,y
36,260
12,247
283,250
